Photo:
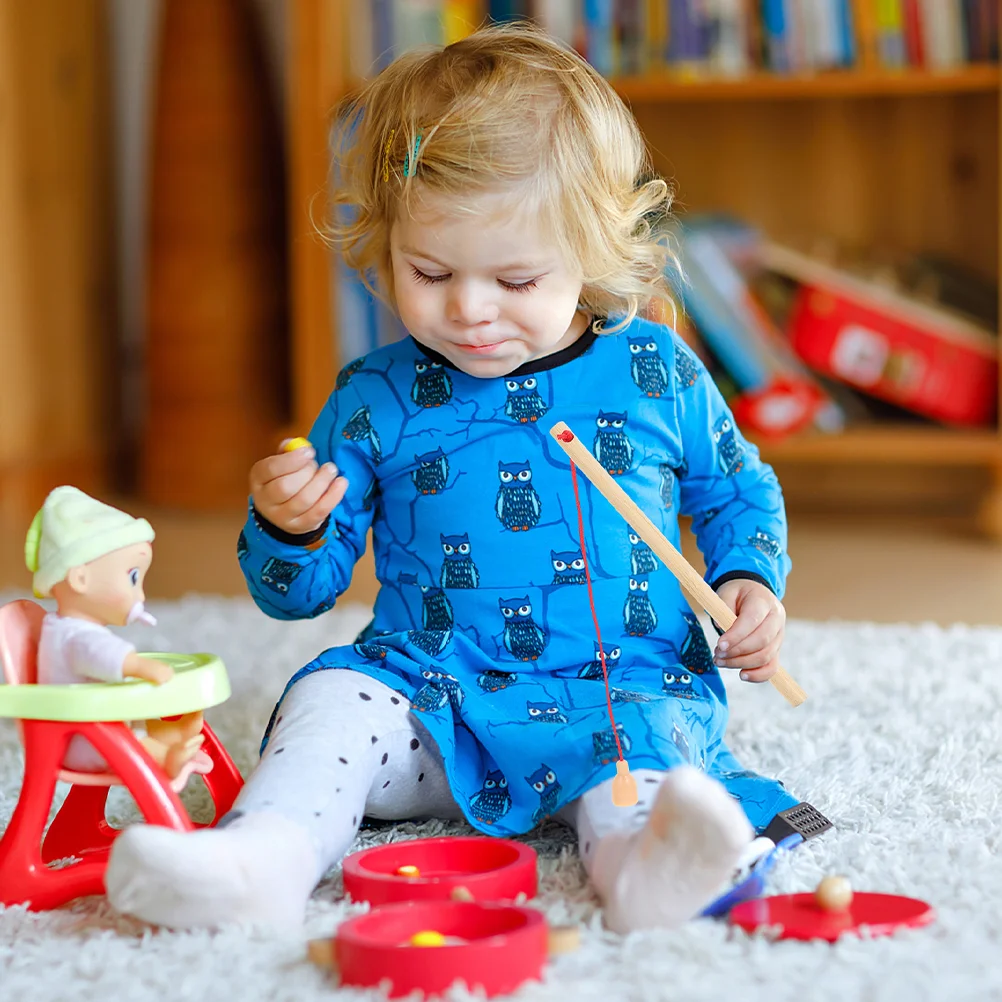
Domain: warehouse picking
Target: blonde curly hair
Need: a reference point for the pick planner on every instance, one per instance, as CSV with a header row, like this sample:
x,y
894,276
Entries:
x,y
505,109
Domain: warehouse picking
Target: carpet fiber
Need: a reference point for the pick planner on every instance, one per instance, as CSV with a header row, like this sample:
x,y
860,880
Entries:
x,y
898,745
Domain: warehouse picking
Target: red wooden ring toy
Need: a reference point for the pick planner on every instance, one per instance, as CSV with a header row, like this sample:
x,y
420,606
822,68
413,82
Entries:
x,y
799,916
434,869
493,948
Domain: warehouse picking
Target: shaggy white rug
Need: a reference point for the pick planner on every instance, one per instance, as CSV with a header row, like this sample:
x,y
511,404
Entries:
x,y
898,745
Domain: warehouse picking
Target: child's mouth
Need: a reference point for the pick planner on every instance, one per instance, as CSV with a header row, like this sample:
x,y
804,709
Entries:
x,y
480,349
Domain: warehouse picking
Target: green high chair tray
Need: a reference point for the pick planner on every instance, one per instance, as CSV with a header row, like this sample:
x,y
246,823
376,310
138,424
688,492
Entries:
x,y
200,681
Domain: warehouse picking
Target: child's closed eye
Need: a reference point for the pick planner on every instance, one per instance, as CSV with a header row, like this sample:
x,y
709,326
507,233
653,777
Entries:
x,y
426,279
518,286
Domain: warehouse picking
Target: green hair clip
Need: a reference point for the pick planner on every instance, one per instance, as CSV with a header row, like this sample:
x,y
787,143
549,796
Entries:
x,y
410,165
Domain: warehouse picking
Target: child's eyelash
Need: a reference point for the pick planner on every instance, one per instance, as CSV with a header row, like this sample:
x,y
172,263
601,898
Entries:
x,y
519,286
424,279
428,279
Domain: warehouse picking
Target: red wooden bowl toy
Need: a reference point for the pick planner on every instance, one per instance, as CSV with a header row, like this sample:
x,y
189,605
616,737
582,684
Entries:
x,y
441,869
428,946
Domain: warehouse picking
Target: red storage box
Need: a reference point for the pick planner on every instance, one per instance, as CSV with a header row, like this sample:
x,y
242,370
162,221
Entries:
x,y
919,357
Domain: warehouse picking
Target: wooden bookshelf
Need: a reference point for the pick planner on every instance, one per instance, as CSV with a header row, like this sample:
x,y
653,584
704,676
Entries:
x,y
837,83
906,160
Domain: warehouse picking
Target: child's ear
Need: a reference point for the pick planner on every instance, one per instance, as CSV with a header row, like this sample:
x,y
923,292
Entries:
x,y
76,578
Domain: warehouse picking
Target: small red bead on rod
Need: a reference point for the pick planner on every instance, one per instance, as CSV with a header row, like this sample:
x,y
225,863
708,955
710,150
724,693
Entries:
x,y
566,436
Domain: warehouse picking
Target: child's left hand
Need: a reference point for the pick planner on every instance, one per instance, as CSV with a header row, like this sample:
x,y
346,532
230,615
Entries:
x,y
754,639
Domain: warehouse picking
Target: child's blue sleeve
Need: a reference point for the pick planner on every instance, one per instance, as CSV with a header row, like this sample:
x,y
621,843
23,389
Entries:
x,y
301,576
734,498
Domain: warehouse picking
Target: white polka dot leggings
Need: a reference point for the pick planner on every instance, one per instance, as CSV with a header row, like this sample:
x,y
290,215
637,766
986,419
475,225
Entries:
x,y
345,745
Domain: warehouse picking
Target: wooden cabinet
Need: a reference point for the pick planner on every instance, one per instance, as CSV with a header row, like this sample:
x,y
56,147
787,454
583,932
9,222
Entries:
x,y
906,161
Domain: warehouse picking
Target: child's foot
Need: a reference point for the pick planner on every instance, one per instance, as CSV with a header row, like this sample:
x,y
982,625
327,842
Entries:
x,y
259,870
667,872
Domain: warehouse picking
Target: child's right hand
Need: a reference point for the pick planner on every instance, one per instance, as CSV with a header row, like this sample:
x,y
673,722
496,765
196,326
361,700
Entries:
x,y
293,493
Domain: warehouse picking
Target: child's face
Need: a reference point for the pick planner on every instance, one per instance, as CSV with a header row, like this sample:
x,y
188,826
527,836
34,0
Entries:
x,y
488,289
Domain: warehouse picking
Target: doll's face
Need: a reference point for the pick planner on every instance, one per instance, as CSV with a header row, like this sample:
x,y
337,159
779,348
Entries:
x,y
107,589
488,289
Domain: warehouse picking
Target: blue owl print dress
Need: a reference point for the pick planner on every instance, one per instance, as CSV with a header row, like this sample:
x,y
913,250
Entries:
x,y
482,620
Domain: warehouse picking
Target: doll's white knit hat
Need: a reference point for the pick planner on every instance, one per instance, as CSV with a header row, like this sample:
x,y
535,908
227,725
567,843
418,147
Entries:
x,y
72,529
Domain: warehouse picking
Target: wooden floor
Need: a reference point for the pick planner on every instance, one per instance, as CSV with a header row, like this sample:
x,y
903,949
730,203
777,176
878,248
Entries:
x,y
880,571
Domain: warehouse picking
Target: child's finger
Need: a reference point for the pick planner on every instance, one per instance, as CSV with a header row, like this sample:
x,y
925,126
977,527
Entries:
x,y
311,492
762,674
754,659
272,468
752,614
330,499
764,633
279,493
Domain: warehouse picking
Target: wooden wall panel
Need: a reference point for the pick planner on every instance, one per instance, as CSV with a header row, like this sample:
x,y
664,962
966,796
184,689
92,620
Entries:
x,y
57,408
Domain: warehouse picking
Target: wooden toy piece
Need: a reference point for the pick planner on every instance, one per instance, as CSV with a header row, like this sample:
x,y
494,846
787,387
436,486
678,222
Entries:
x,y
295,443
687,575
834,894
480,867
320,952
801,916
427,937
563,939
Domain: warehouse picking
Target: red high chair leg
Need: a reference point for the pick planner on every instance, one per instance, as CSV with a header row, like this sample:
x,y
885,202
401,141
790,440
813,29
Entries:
x,y
80,828
24,877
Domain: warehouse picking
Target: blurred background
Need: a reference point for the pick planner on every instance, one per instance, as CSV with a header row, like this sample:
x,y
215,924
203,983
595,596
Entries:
x,y
167,313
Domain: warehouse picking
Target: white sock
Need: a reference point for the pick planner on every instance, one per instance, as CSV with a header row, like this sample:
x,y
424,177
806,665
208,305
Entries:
x,y
260,870
668,871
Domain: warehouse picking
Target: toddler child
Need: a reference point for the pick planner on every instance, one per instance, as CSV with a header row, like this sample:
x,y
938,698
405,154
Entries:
x,y
500,198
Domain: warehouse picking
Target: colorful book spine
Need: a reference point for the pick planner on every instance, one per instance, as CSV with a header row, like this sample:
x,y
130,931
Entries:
x,y
600,41
657,32
774,30
507,10
727,50
683,33
382,33
459,19
415,23
847,33
558,18
890,33
914,42
631,36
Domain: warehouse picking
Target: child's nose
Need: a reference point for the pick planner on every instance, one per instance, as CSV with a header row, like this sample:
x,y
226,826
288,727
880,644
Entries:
x,y
469,305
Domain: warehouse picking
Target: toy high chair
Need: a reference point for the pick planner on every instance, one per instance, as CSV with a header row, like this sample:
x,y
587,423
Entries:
x,y
48,716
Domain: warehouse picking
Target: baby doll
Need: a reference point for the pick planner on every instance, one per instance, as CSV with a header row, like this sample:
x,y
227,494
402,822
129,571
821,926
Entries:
x,y
92,559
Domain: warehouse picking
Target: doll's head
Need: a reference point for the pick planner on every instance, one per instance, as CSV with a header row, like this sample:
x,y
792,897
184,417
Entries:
x,y
90,557
498,194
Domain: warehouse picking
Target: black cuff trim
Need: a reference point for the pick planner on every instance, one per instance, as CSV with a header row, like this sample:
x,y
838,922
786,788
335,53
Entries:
x,y
744,576
290,538
733,576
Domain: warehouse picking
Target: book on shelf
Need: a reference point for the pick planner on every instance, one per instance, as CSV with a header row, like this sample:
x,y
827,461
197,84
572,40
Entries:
x,y
773,391
921,356
713,38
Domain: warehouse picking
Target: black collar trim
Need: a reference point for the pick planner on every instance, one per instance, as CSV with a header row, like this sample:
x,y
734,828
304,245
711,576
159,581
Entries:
x,y
562,357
